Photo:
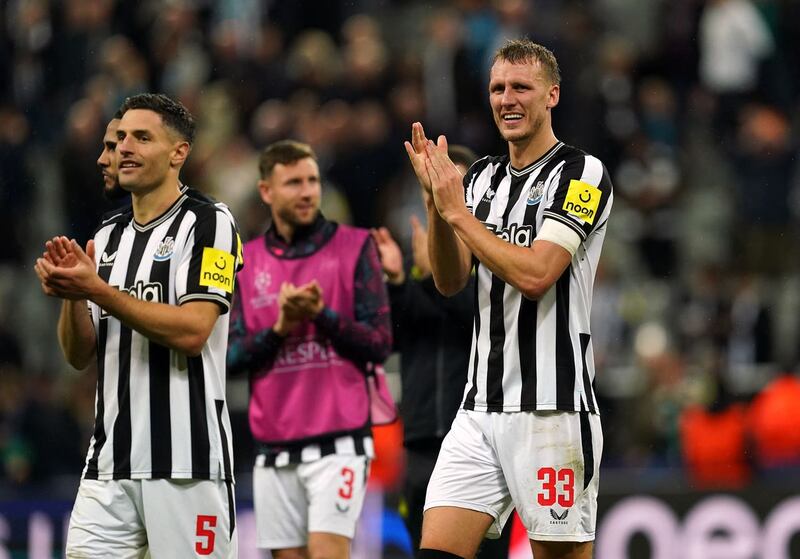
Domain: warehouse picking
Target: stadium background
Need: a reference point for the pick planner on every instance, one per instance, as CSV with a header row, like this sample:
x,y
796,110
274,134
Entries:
x,y
692,105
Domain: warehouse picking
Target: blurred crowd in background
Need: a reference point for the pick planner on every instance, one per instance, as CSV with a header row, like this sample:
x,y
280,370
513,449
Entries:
x,y
693,106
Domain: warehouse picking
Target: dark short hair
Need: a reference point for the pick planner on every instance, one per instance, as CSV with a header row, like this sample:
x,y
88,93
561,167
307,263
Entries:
x,y
461,155
283,152
117,115
525,51
173,114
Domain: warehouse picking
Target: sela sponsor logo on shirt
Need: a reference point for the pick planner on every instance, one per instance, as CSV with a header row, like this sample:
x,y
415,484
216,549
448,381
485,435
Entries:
x,y
217,269
520,235
151,292
582,201
107,259
164,250
535,193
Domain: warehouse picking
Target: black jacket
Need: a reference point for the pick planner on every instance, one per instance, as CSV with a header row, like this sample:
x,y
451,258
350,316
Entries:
x,y
433,335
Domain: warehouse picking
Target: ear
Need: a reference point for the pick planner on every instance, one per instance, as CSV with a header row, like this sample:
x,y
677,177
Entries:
x,y
180,152
553,96
265,191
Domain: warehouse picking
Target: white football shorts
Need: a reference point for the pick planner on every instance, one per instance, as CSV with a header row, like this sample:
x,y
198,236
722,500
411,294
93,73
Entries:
x,y
546,464
125,519
325,495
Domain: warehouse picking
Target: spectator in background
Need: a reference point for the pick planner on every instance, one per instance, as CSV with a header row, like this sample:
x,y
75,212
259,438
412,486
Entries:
x,y
83,200
432,334
311,317
16,185
734,42
764,157
444,66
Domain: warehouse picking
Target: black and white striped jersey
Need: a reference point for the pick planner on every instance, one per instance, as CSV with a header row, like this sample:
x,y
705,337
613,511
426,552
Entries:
x,y
355,444
537,355
160,413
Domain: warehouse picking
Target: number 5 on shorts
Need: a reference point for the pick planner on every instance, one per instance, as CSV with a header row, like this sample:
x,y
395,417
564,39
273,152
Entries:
x,y
205,525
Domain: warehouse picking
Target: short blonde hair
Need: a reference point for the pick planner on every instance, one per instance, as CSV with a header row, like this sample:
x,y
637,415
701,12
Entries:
x,y
518,51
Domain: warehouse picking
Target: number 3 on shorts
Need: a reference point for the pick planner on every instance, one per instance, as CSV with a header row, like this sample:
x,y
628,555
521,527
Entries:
x,y
557,486
346,490
205,532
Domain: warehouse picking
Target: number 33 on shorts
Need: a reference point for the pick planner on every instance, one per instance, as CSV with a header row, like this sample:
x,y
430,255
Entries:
x,y
557,486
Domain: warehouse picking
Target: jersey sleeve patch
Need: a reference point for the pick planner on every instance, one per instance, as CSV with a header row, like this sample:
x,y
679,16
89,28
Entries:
x,y
239,253
582,201
217,269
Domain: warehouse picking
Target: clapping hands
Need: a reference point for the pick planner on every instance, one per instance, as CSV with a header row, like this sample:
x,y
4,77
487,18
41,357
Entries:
x,y
298,304
65,270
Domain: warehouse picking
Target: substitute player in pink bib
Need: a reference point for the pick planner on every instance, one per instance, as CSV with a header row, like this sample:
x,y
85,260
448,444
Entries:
x,y
309,319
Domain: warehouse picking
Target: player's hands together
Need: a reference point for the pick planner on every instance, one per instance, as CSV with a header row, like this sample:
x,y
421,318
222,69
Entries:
x,y
446,181
417,154
307,300
65,270
58,251
297,304
289,317
390,254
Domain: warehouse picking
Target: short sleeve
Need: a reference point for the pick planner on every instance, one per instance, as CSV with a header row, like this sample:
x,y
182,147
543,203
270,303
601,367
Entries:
x,y
582,196
209,262
469,182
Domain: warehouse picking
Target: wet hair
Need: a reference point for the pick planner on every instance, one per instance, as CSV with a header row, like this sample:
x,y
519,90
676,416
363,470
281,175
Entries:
x,y
462,155
525,51
283,152
173,114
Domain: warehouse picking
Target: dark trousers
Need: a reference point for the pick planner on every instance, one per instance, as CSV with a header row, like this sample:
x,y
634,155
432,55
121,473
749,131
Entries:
x,y
420,460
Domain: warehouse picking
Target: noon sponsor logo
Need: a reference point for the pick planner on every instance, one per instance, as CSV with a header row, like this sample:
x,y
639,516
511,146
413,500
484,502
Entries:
x,y
582,201
217,269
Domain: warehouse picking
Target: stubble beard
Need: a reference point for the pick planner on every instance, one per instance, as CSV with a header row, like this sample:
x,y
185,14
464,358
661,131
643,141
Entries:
x,y
516,137
290,218
115,191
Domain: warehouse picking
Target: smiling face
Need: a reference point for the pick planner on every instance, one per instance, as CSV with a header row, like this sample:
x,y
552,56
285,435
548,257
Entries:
x,y
521,97
147,150
293,191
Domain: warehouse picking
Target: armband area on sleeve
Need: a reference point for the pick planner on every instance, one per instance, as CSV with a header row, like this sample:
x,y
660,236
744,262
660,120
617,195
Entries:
x,y
560,234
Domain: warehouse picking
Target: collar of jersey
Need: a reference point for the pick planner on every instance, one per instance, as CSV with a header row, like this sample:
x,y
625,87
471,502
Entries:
x,y
163,217
538,163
